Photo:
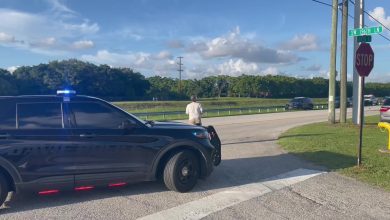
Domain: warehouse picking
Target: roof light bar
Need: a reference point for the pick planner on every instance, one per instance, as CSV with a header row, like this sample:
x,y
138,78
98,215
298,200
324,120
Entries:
x,y
66,92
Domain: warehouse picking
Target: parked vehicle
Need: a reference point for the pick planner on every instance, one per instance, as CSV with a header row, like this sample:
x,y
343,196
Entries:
x,y
300,103
349,102
55,143
337,102
385,110
370,100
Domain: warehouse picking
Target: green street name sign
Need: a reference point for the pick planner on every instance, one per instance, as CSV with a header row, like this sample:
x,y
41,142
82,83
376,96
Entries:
x,y
364,39
365,31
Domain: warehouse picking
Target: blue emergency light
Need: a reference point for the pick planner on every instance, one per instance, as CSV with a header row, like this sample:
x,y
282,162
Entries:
x,y
66,92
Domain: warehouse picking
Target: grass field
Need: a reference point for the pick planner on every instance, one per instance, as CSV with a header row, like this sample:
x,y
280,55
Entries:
x,y
335,147
211,103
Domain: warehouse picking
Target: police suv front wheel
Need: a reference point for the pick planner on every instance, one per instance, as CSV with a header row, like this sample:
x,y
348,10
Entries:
x,y
181,171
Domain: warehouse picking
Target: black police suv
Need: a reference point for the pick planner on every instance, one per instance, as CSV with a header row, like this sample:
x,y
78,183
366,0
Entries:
x,y
300,103
66,142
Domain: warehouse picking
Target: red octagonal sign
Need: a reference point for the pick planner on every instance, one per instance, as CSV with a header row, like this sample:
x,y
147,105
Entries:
x,y
364,59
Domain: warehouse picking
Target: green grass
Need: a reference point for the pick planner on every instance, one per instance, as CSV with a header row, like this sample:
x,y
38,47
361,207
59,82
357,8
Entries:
x,y
335,147
210,103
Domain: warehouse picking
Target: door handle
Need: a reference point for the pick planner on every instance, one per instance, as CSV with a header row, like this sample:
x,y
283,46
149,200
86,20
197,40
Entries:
x,y
4,136
87,135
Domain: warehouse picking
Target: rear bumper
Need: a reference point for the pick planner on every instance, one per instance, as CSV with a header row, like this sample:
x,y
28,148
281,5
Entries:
x,y
385,118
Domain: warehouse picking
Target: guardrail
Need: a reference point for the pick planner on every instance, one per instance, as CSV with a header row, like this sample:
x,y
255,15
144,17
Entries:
x,y
172,115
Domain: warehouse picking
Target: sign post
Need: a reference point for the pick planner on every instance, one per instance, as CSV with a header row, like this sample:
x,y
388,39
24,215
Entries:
x,y
364,63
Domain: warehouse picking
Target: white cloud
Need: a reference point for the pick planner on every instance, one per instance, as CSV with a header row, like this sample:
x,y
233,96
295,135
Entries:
x,y
164,55
59,6
44,43
379,77
160,63
12,69
380,14
233,45
82,44
271,71
237,67
6,38
43,32
306,42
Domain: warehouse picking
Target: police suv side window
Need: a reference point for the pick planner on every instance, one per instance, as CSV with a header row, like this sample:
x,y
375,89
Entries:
x,y
39,116
92,115
8,116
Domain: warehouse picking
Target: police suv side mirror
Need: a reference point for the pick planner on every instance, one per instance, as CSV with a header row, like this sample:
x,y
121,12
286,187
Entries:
x,y
127,125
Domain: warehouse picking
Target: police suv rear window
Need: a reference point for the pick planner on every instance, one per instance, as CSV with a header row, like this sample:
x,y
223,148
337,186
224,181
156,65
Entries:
x,y
7,116
39,116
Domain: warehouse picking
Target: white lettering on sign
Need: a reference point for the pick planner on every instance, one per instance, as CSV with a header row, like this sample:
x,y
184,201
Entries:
x,y
364,59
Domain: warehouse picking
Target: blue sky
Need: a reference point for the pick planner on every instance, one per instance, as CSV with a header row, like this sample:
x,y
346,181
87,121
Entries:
x,y
214,37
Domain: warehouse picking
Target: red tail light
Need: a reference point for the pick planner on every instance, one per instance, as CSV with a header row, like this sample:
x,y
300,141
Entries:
x,y
48,192
82,188
116,184
384,109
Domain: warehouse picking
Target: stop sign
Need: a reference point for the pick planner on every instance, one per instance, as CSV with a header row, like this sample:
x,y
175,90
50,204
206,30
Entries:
x,y
364,59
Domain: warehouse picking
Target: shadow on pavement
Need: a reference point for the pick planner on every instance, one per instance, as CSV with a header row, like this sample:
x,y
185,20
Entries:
x,y
333,161
272,139
231,173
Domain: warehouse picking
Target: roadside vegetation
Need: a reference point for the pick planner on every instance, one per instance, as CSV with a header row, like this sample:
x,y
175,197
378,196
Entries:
x,y
207,104
212,107
335,147
125,84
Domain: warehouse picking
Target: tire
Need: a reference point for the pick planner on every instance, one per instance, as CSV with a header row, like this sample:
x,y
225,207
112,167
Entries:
x,y
181,171
3,189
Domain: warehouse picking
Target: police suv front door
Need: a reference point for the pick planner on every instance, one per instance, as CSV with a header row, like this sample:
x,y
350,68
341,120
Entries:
x,y
105,143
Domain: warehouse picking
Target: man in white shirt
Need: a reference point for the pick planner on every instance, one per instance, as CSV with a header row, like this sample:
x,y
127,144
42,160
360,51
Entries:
x,y
194,111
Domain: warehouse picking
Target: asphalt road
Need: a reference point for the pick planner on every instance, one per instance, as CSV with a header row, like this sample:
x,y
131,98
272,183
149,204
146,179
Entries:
x,y
256,180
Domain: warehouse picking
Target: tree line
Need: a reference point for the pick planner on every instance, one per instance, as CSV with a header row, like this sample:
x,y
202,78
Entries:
x,y
125,84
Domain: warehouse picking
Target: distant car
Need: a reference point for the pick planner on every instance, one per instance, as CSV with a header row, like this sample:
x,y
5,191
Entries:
x,y
370,100
300,103
337,102
385,110
349,102
382,100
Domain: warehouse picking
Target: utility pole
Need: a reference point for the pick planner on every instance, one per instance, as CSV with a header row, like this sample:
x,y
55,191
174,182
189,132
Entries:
x,y
180,70
357,80
332,69
344,55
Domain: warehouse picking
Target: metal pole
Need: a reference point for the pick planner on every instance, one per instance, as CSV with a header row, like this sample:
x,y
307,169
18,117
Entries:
x,y
357,89
332,74
359,161
344,55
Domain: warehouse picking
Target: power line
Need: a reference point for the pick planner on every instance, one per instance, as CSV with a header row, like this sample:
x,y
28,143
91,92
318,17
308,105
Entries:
x,y
372,17
324,3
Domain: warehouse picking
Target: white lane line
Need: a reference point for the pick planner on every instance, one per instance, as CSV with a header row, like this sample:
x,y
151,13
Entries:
x,y
203,207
